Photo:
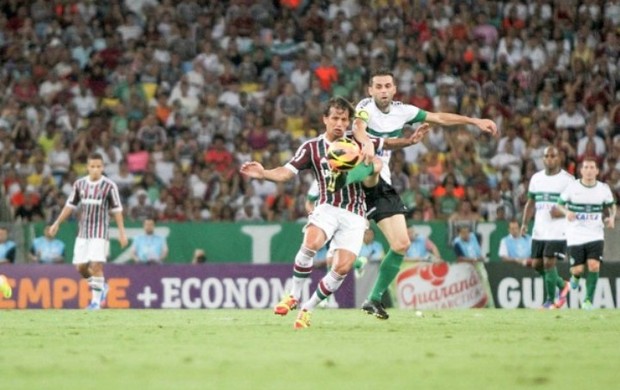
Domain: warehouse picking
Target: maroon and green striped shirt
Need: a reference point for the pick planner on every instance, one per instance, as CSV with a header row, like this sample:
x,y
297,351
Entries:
x,y
97,199
312,155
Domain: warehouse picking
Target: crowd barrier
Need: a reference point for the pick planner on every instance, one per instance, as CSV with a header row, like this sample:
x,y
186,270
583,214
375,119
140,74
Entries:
x,y
421,286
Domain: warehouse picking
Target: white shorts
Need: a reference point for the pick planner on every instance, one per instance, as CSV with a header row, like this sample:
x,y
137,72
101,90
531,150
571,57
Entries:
x,y
90,249
345,229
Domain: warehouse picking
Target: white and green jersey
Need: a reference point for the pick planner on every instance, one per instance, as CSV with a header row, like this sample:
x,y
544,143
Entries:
x,y
587,203
545,190
387,125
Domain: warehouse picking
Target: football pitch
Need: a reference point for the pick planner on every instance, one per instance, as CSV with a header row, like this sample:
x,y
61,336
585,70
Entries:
x,y
343,349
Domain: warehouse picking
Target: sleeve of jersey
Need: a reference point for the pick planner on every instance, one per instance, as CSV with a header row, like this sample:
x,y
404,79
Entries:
x,y
115,201
416,115
74,198
377,143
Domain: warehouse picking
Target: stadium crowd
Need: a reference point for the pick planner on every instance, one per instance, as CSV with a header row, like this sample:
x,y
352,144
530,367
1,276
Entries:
x,y
176,95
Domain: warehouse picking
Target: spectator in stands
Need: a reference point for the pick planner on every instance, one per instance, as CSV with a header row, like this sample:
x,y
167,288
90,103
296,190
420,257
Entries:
x,y
466,246
7,247
515,247
421,248
47,249
150,247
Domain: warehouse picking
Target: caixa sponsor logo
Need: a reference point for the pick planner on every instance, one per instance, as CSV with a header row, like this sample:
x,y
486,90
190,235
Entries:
x,y
528,292
439,286
587,216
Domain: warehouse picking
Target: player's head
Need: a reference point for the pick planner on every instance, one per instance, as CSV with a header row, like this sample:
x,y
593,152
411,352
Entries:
x,y
94,166
589,169
551,159
381,87
337,117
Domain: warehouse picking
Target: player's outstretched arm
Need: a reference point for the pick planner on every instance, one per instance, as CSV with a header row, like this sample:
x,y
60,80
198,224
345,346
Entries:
x,y
449,119
255,170
400,143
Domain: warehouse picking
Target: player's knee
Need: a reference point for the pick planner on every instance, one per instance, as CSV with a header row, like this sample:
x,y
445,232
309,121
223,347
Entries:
x,y
594,266
400,246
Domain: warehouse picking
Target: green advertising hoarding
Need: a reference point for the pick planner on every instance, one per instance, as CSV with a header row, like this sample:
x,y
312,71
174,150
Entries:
x,y
255,242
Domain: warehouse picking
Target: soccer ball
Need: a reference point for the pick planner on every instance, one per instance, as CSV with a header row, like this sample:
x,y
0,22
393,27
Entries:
x,y
5,287
343,154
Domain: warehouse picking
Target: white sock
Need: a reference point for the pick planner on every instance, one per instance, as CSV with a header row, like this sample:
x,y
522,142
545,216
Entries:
x,y
302,269
327,286
96,288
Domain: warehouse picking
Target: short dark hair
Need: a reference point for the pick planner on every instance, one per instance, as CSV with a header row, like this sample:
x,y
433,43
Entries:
x,y
380,72
95,156
590,158
339,103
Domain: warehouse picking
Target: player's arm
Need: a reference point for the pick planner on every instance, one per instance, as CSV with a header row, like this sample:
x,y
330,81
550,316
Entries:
x,y
414,138
164,252
561,207
610,211
449,119
122,237
528,212
360,124
64,214
255,170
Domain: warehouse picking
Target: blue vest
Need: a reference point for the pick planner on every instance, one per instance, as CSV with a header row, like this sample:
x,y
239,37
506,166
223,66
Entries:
x,y
417,249
471,248
518,248
48,250
5,248
149,247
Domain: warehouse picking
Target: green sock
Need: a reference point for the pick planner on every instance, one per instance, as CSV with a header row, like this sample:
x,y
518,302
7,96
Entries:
x,y
551,276
387,272
591,281
359,173
559,281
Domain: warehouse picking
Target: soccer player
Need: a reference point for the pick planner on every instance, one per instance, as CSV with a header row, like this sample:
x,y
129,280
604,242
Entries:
x,y
549,231
584,202
338,215
97,196
380,116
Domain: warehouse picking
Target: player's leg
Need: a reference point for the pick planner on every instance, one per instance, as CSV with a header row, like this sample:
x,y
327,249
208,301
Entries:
x,y
320,228
96,283
97,252
346,242
594,256
538,263
394,228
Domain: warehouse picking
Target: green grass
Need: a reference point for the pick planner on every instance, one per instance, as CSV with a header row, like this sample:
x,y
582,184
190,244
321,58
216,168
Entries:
x,y
344,349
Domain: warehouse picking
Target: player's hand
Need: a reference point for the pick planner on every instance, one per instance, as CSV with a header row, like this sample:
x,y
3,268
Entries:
x,y
610,222
368,152
523,230
419,133
487,125
253,169
123,239
571,216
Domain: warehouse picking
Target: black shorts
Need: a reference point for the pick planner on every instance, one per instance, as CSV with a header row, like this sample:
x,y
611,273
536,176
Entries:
x,y
550,248
382,202
579,254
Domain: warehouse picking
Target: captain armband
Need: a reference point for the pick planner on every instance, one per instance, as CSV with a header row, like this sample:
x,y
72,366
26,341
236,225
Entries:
x,y
363,115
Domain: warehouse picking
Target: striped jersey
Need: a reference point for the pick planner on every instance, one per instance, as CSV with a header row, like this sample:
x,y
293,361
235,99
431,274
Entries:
x,y
587,203
387,125
546,190
312,155
97,199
